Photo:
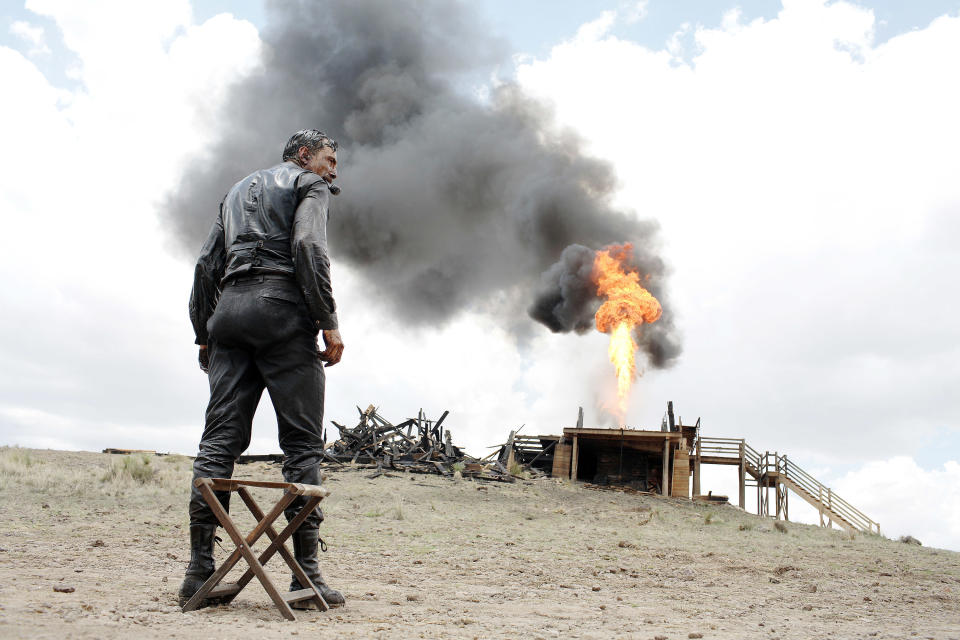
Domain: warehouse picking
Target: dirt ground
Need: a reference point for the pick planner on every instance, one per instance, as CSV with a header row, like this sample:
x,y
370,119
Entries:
x,y
422,556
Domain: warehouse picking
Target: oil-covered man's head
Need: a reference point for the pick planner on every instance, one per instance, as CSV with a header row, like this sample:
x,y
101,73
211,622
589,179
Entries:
x,y
313,150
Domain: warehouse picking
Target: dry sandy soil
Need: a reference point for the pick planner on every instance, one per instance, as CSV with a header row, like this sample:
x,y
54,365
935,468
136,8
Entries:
x,y
422,556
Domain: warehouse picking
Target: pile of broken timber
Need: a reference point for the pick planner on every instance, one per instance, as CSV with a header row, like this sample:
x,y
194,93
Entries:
x,y
417,444
534,454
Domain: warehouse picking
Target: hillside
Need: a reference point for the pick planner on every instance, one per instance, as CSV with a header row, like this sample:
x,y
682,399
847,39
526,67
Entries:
x,y
426,556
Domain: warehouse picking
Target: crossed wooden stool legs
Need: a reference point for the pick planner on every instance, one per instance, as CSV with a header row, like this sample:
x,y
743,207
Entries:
x,y
228,591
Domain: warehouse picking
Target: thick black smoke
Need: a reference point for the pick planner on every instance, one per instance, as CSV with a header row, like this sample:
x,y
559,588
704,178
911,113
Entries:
x,y
449,201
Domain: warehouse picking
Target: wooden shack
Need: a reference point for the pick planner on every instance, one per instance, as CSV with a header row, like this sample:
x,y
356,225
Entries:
x,y
665,462
656,461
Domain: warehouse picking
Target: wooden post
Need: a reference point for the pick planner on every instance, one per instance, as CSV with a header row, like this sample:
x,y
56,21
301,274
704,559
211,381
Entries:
x,y
776,480
574,456
830,507
820,503
665,486
511,456
743,480
786,492
696,470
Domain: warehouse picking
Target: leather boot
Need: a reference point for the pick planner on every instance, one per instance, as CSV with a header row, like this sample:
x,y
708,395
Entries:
x,y
201,561
305,542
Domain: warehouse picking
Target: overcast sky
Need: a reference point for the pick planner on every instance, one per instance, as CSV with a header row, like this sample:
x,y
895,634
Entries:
x,y
800,158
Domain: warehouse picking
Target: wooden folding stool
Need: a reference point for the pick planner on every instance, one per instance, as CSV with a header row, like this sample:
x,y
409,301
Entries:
x,y
228,591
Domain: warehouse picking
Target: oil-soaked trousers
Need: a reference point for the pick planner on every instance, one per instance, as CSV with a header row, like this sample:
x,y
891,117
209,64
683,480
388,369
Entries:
x,y
261,336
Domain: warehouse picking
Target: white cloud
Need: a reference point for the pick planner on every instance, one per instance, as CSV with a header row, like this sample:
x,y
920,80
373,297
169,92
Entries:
x,y
799,190
32,35
634,10
907,499
95,339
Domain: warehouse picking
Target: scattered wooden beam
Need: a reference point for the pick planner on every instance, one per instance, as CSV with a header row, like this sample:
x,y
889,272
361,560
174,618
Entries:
x,y
416,444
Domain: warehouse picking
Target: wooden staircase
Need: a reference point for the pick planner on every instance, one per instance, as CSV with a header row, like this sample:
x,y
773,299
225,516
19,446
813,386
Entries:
x,y
775,471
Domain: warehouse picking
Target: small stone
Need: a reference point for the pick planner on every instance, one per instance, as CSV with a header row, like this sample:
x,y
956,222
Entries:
x,y
98,543
62,588
412,597
623,544
171,556
774,581
595,587
603,607
695,635
659,637
418,562
867,599
807,607
44,506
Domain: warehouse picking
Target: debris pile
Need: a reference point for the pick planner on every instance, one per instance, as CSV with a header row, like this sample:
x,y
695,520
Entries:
x,y
417,444
532,455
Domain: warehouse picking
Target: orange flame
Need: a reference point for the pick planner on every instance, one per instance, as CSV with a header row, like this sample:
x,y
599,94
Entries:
x,y
627,305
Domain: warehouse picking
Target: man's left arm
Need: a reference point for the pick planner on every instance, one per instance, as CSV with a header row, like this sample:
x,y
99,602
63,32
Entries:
x,y
206,285
310,259
312,263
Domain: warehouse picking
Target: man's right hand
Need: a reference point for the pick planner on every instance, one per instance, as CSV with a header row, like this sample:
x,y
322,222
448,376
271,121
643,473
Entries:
x,y
334,351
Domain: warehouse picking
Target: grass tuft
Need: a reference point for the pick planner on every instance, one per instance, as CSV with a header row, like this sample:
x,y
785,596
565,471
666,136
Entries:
x,y
135,469
397,512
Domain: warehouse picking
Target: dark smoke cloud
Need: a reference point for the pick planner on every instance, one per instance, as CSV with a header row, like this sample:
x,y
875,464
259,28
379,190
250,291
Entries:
x,y
448,200
566,299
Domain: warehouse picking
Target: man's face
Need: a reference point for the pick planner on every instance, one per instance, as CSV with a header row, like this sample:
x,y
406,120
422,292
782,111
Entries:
x,y
323,162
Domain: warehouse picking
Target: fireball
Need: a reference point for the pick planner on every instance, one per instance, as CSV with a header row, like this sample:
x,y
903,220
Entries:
x,y
627,305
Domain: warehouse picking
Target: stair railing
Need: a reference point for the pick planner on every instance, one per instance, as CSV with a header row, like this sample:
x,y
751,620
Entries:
x,y
768,463
833,502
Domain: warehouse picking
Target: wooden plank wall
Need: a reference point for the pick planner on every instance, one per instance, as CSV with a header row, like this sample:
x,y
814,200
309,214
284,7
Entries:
x,y
561,460
680,486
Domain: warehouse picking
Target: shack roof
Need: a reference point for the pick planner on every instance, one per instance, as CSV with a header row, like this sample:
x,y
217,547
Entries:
x,y
622,434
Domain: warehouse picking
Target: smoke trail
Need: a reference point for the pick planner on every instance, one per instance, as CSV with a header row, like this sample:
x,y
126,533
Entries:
x,y
448,200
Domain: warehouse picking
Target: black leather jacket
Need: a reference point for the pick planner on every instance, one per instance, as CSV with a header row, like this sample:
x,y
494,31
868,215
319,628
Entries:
x,y
274,221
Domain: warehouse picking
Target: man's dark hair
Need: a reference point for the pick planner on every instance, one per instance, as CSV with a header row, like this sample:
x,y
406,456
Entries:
x,y
312,139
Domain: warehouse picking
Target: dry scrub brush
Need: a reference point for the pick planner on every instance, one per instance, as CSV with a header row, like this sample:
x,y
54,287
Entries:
x,y
134,476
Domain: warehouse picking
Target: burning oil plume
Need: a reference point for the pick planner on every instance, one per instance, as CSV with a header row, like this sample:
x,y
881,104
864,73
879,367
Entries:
x,y
450,202
625,309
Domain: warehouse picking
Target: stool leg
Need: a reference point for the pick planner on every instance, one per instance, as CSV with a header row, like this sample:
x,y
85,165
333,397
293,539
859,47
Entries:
x,y
280,539
282,548
218,575
246,551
